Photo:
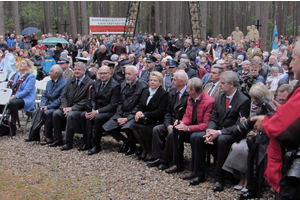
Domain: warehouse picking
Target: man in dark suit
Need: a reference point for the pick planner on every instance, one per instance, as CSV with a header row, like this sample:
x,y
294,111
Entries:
x,y
150,45
105,99
131,91
72,104
189,50
176,102
149,68
213,88
101,54
119,48
228,108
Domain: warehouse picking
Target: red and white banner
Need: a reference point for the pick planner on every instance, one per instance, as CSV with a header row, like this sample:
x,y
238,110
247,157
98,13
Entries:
x,y
104,25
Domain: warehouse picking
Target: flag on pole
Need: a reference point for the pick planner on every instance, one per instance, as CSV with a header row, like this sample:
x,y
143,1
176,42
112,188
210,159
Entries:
x,y
275,38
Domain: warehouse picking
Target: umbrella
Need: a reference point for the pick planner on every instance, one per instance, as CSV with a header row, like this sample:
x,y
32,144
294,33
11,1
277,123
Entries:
x,y
30,30
53,41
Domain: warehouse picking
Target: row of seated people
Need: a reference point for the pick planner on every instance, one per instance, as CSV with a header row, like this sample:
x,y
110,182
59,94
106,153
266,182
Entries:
x,y
147,114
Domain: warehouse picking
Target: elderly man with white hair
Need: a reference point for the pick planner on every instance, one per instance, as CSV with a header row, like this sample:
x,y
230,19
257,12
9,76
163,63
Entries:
x,y
189,50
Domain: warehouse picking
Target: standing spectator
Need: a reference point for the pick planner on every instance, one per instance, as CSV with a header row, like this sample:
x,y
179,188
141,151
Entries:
x,y
49,62
39,45
38,61
10,40
9,63
18,42
3,45
188,50
150,45
119,48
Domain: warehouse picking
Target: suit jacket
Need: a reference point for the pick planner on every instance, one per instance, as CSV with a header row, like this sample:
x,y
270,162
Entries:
x,y
68,74
157,105
150,47
173,107
256,51
222,119
107,100
190,52
76,96
52,95
127,106
216,91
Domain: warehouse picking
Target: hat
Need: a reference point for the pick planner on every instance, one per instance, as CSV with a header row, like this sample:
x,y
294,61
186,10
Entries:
x,y
59,45
173,63
110,64
114,57
63,58
82,59
150,58
241,57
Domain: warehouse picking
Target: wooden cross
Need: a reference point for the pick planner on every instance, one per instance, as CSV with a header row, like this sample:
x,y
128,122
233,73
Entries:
x,y
257,24
65,24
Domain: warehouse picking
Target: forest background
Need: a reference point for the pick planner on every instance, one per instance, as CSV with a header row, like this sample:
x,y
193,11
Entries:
x,y
159,16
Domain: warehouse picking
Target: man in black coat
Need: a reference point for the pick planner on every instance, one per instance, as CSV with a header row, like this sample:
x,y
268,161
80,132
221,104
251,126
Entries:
x,y
150,45
176,102
189,50
229,107
73,102
131,91
105,99
101,54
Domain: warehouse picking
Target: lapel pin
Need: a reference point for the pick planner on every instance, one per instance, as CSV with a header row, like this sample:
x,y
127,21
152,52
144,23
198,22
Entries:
x,y
229,106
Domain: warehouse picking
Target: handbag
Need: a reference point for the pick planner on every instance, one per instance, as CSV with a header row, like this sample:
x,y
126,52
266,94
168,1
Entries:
x,y
146,121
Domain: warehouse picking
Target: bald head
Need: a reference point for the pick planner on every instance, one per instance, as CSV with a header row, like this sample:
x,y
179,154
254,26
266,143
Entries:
x,y
102,48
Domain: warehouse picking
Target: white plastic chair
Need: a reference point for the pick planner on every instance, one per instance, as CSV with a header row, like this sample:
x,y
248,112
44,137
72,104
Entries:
x,y
47,78
3,75
3,84
40,87
10,75
5,95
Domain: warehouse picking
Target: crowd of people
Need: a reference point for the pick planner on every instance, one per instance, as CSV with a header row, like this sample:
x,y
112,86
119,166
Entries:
x,y
159,92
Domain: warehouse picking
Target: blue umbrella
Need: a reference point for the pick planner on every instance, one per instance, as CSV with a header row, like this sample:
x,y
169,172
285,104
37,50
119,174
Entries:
x,y
30,30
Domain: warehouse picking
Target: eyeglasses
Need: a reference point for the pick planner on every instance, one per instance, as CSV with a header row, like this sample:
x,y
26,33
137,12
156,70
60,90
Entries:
x,y
103,73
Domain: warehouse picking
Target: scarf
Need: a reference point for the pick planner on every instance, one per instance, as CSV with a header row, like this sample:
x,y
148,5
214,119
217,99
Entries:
x,y
15,87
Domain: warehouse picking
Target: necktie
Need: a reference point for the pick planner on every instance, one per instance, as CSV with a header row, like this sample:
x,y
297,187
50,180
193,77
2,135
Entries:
x,y
211,89
77,81
177,98
102,86
227,102
194,116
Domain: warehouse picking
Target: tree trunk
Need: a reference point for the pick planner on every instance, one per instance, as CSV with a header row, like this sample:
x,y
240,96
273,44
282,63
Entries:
x,y
72,20
203,11
16,17
257,10
264,28
177,18
95,8
47,16
2,31
157,16
216,20
84,22
163,16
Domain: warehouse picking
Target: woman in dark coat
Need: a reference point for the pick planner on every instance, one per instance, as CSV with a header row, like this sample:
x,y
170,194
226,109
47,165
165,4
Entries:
x,y
151,111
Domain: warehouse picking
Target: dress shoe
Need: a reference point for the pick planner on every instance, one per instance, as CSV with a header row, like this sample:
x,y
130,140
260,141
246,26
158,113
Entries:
x,y
131,150
83,148
197,180
247,195
124,148
163,167
174,169
66,147
154,163
94,150
56,143
218,187
238,187
188,176
138,151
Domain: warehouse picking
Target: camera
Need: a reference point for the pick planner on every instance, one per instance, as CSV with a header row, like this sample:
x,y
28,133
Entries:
x,y
292,161
266,108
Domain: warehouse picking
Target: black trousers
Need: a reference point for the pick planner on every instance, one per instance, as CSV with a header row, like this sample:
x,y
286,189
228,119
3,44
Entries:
x,y
97,123
14,106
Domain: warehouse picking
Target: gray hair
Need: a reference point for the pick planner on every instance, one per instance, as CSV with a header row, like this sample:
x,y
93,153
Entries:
x,y
196,83
182,76
189,41
229,77
80,64
274,68
57,69
285,87
132,67
182,64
